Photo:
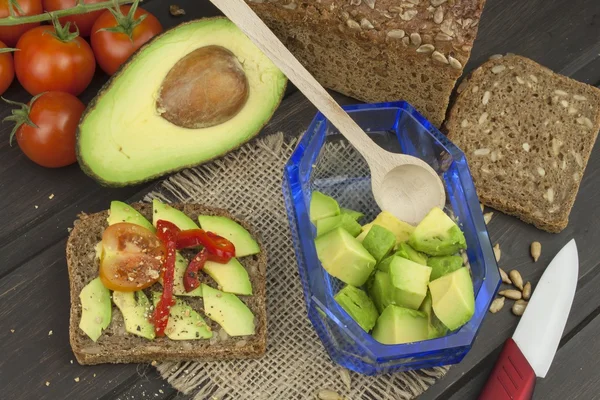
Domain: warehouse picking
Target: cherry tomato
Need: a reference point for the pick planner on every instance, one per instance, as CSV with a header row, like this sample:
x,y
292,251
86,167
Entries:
x,y
11,34
83,22
46,128
132,257
7,68
51,58
128,32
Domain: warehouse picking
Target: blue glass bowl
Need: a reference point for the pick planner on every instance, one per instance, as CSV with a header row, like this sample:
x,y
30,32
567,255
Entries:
x,y
324,161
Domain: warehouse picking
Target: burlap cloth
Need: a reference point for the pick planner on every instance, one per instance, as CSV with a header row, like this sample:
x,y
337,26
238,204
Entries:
x,y
248,182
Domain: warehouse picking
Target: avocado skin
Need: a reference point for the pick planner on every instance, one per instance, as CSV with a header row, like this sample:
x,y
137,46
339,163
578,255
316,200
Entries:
x,y
92,105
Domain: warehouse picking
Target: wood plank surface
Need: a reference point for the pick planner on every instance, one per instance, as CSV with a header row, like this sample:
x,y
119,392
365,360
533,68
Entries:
x,y
564,35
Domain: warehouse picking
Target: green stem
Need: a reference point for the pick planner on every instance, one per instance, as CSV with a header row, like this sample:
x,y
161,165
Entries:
x,y
78,9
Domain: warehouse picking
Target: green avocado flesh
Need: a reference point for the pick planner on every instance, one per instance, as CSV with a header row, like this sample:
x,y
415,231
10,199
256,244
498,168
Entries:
x,y
379,242
135,308
344,220
322,206
435,327
344,257
356,215
121,212
184,323
437,235
96,310
398,325
405,251
453,298
168,213
358,305
410,281
229,311
443,265
231,277
181,265
243,242
381,290
122,138
401,229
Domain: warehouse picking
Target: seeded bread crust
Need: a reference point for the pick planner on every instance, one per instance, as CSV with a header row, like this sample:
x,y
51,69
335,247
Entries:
x,y
380,50
117,346
527,133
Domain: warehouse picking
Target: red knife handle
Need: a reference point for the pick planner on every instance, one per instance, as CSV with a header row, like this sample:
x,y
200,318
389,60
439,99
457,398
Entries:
x,y
512,377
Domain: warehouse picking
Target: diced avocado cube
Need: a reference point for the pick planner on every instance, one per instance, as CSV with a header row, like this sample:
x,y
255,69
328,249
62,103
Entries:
x,y
344,220
322,206
344,257
121,212
443,265
437,235
173,215
96,310
405,251
384,265
381,290
435,327
453,298
398,325
356,215
401,229
358,305
242,240
135,308
410,280
229,311
379,242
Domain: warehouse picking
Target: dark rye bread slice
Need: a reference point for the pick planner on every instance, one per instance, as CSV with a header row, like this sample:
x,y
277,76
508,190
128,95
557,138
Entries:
x,y
117,346
527,133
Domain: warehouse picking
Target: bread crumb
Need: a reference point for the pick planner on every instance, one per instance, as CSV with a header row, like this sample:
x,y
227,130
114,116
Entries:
x,y
160,391
47,383
71,361
12,331
94,375
51,196
154,363
36,206
76,379
50,332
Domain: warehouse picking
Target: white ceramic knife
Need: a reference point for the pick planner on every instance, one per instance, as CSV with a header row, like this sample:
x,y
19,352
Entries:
x,y
529,353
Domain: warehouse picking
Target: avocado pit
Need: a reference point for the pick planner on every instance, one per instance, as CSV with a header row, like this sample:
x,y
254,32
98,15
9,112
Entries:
x,y
205,88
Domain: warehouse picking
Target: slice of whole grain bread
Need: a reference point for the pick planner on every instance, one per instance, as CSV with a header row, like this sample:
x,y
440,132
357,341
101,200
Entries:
x,y
527,133
115,345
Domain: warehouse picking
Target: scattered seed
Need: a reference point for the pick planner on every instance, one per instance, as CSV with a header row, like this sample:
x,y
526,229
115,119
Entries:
x,y
536,250
511,294
366,24
154,363
564,103
520,80
560,92
481,152
585,121
326,394
51,196
496,69
426,48
370,3
352,24
526,147
579,97
176,11
415,39
549,195
50,333
541,171
464,123
345,377
438,15
436,3
439,57
454,63
483,118
504,277
515,277
519,307
527,291
572,111
47,383
76,379
497,305
497,252
396,34
408,15
486,97
406,41
12,331
533,78
495,57
487,217
442,37
475,89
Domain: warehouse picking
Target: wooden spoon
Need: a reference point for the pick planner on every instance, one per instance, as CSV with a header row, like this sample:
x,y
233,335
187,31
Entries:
x,y
404,185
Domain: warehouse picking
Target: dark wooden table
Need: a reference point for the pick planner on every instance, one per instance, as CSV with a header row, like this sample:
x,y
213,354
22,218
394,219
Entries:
x,y
34,299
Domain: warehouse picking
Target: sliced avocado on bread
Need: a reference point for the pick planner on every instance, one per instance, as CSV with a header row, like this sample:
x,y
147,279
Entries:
x,y
245,244
208,91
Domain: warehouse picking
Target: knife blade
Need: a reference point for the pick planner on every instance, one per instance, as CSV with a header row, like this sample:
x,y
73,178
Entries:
x,y
529,353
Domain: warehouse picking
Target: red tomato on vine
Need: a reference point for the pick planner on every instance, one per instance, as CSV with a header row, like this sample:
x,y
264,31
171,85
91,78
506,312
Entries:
x,y
11,34
82,22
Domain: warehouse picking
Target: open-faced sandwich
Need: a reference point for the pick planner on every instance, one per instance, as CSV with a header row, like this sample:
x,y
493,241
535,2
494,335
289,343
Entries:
x,y
166,290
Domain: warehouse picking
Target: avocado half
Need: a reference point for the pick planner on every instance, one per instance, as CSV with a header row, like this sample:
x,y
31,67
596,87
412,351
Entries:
x,y
123,139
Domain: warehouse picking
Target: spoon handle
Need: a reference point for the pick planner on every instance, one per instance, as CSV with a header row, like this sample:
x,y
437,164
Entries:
x,y
243,16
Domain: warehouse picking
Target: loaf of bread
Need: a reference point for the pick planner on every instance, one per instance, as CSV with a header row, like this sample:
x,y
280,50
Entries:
x,y
527,133
380,50
115,345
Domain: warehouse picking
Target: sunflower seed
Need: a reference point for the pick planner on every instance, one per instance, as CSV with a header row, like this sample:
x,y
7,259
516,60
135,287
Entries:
x,y
464,123
533,78
352,24
442,37
511,294
497,252
475,89
370,3
541,171
578,158
366,24
579,97
560,92
408,15
519,307
496,69
495,57
291,6
481,152
585,121
426,48
345,377
572,111
355,2
527,291
415,2
415,39
556,144
467,22
520,80
446,27
454,63
436,3
462,86
438,15
406,41
497,305
549,195
486,97
494,156
515,277
487,217
504,277
482,118
439,57
326,394
396,34
526,147
564,103
536,250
